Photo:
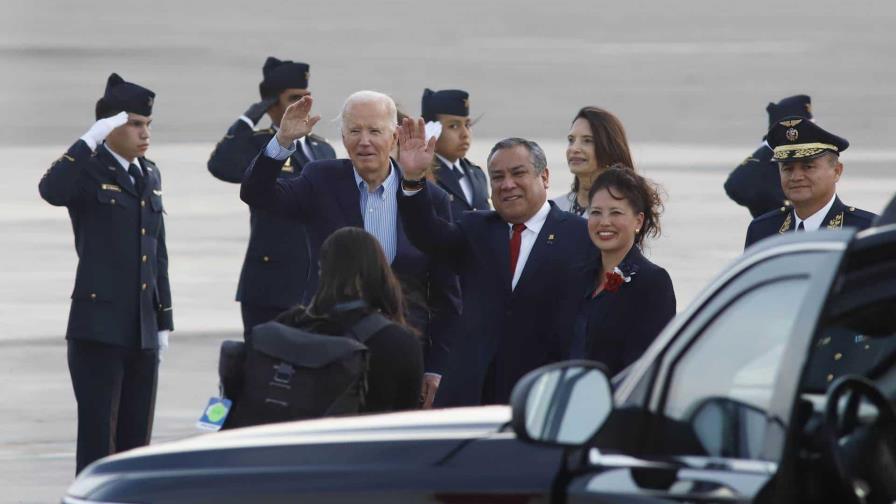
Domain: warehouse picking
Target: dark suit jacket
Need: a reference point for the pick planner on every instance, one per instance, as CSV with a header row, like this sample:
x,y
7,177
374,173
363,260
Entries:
x,y
448,181
277,264
513,331
781,221
122,295
756,183
325,198
616,327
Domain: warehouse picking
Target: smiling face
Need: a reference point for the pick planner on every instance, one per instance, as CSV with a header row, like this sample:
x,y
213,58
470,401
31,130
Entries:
x,y
454,142
810,183
368,134
518,192
131,140
580,151
612,223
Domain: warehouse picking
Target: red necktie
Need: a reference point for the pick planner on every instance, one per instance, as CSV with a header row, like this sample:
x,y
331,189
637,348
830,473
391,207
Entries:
x,y
515,242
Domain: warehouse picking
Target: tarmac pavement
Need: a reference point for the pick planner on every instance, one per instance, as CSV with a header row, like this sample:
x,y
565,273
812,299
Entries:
x,y
690,82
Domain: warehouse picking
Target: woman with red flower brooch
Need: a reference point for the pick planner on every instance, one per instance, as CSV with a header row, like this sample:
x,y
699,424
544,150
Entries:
x,y
627,300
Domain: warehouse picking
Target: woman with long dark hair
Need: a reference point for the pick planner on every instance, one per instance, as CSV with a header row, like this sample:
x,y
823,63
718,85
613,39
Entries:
x,y
627,300
595,141
356,280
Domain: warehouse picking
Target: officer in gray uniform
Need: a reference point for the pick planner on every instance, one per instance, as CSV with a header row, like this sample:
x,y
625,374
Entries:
x,y
275,270
121,312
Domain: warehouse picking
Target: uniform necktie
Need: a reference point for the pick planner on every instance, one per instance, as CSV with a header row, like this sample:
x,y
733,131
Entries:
x,y
801,227
515,242
134,171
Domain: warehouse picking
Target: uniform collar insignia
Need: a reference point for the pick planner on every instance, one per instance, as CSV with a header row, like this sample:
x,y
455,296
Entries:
x,y
786,226
836,222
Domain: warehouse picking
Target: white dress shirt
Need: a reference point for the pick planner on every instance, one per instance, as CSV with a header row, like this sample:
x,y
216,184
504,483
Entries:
x,y
814,221
465,184
527,239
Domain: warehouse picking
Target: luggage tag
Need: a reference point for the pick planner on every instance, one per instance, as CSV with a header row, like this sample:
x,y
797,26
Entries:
x,y
215,413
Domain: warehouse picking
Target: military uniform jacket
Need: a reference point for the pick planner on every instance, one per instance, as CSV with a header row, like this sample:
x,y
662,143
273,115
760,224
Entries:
x,y
447,180
781,221
122,295
756,183
276,268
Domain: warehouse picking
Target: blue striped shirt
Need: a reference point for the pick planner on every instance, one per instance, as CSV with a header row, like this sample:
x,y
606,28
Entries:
x,y
380,211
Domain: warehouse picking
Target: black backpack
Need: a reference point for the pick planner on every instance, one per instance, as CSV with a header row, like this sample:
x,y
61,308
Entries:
x,y
285,373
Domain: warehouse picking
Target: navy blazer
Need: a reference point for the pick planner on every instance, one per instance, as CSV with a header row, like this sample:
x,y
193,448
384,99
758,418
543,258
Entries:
x,y
756,183
781,221
508,331
616,327
326,198
122,295
447,180
277,264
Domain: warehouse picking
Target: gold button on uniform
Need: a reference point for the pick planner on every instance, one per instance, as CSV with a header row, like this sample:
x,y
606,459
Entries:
x,y
112,201
93,295
144,258
838,356
830,377
144,286
143,203
266,259
143,231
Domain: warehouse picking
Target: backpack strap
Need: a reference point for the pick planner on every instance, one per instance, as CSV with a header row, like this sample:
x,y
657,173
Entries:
x,y
368,326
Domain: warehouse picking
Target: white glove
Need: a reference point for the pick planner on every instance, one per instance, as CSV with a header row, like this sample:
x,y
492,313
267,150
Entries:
x,y
163,342
101,129
433,129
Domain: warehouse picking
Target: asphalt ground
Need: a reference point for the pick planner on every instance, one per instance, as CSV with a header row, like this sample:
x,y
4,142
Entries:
x,y
690,81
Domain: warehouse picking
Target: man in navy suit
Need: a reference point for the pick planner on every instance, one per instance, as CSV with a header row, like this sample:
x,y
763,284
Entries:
x,y
517,267
361,192
276,266
462,180
808,158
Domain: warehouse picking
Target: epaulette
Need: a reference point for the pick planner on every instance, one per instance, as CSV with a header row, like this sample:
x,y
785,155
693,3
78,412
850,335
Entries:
x,y
266,131
862,214
778,212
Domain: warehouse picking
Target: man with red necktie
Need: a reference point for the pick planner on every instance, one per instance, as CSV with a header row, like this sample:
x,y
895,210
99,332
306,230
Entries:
x,y
516,265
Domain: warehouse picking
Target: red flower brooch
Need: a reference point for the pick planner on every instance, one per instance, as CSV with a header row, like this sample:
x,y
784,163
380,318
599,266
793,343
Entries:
x,y
614,279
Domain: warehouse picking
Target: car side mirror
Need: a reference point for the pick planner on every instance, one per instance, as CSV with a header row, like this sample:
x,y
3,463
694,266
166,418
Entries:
x,y
562,404
729,428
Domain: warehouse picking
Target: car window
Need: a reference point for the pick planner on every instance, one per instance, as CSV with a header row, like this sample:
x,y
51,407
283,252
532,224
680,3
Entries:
x,y
724,381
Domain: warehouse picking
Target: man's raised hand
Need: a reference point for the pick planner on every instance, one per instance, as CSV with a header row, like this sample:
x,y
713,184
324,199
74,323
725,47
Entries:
x,y
296,123
415,154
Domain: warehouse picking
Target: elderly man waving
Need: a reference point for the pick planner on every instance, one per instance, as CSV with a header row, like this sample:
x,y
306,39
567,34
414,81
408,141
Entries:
x,y
360,191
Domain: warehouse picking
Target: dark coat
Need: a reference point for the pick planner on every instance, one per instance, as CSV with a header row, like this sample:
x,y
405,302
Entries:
x,y
781,221
277,264
325,198
616,327
756,183
122,295
511,331
447,180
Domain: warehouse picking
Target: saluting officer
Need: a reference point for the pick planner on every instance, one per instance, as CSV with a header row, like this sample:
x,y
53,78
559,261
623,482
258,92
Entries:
x,y
809,164
276,268
121,305
464,182
755,183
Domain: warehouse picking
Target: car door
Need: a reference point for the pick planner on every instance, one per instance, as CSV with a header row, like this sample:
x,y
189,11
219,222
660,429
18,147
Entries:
x,y
718,385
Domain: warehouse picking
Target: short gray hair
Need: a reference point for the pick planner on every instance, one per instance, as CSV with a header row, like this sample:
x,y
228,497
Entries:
x,y
536,154
367,96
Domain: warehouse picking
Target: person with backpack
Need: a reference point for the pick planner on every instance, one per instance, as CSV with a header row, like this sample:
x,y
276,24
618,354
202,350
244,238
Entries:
x,y
350,351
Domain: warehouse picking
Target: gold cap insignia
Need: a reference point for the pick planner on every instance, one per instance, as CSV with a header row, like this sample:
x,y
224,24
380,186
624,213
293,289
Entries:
x,y
467,103
791,123
809,108
550,237
149,101
792,134
307,75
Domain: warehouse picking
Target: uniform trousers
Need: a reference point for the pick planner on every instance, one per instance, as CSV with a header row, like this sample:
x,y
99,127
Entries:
x,y
257,314
115,387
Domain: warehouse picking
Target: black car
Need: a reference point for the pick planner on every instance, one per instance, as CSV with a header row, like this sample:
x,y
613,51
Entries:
x,y
775,385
